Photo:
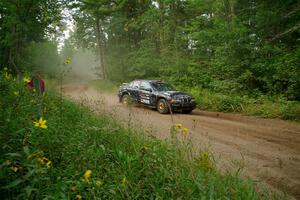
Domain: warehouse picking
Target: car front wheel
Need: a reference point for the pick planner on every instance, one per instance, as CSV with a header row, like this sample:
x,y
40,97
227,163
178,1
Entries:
x,y
125,99
162,106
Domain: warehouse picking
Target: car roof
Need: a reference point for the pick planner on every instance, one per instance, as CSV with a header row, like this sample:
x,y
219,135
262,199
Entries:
x,y
152,81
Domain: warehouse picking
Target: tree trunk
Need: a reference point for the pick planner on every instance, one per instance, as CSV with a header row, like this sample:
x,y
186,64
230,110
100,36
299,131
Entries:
x,y
100,48
11,61
229,10
161,31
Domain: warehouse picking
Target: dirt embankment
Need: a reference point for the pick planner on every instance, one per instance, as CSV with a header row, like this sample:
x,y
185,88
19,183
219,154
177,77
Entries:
x,y
267,149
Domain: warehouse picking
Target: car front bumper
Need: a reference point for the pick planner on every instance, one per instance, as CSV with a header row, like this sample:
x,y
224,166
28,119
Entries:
x,y
183,106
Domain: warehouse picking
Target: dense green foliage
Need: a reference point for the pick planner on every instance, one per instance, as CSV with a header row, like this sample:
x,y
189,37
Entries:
x,y
54,163
227,46
28,33
264,106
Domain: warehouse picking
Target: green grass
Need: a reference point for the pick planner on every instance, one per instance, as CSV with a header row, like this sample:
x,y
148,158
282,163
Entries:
x,y
263,106
125,164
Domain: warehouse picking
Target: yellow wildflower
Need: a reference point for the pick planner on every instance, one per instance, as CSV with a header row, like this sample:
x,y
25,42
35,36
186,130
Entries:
x,y
26,79
67,61
40,160
45,161
7,76
205,155
178,126
87,175
184,131
73,188
78,197
124,181
48,164
40,123
14,168
99,183
7,162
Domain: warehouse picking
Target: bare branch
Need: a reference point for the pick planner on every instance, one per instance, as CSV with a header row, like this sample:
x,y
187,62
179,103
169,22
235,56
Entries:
x,y
290,30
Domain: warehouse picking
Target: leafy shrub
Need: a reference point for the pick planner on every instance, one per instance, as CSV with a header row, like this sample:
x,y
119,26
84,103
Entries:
x,y
290,110
264,106
209,100
230,104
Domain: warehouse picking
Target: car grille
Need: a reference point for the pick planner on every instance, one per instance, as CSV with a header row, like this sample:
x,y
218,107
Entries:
x,y
185,99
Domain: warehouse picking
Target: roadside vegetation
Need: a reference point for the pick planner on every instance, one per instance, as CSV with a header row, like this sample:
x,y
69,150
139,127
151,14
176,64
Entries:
x,y
72,153
262,105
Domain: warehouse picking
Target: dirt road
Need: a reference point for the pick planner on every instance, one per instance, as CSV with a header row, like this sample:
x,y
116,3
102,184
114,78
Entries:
x,y
267,149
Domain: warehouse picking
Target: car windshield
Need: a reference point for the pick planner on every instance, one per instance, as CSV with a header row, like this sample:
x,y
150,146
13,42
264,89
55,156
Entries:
x,y
160,86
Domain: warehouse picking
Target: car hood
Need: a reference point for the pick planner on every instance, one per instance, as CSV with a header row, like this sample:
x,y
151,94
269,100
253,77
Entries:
x,y
175,94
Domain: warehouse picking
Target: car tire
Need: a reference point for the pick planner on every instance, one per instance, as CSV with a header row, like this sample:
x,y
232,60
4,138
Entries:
x,y
125,99
162,106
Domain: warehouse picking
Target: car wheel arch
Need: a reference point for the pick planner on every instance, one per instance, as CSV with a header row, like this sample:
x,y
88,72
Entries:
x,y
166,109
125,93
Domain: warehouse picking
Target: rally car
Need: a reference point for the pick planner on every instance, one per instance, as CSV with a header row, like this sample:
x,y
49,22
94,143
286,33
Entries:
x,y
156,94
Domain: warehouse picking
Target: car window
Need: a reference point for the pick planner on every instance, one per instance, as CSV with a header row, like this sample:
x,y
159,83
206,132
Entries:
x,y
135,84
145,85
131,84
161,86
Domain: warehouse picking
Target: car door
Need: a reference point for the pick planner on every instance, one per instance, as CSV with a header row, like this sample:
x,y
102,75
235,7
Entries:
x,y
134,93
146,93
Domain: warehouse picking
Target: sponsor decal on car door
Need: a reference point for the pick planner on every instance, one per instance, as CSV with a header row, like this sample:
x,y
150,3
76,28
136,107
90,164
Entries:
x,y
145,93
144,97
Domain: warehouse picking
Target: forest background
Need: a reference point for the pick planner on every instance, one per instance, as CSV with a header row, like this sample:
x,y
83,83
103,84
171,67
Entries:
x,y
232,55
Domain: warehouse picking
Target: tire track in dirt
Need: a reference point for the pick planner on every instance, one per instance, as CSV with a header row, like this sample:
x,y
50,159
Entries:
x,y
269,149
